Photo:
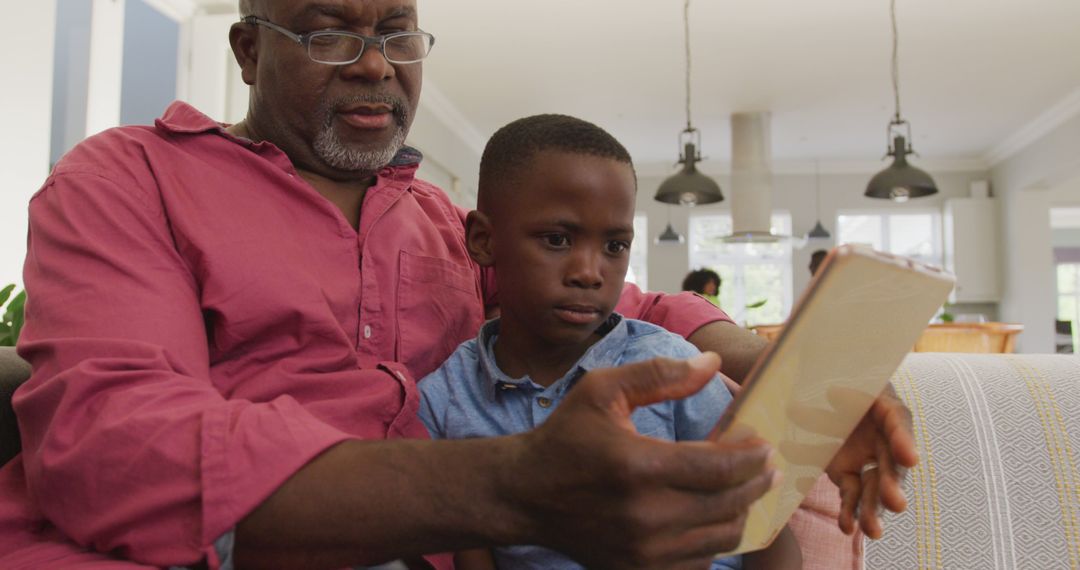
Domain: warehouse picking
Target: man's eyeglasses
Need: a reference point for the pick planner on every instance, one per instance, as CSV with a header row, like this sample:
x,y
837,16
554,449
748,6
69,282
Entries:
x,y
342,48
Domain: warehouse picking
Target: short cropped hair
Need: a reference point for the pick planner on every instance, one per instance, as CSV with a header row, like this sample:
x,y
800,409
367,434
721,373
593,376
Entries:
x,y
815,260
696,280
513,146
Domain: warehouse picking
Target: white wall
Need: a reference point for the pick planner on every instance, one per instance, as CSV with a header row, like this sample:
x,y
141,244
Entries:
x,y
1031,182
106,65
451,146
26,113
70,75
212,80
148,83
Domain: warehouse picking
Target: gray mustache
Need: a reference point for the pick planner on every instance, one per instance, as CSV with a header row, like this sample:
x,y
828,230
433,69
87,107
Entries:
x,y
399,108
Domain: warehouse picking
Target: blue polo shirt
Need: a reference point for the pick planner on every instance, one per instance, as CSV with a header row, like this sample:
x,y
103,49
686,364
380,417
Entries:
x,y
468,396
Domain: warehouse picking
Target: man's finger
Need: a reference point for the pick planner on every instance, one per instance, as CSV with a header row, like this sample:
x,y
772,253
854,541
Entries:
x,y
656,380
704,542
704,466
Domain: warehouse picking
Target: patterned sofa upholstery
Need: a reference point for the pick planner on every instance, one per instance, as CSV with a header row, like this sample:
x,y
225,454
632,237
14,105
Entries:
x,y
998,486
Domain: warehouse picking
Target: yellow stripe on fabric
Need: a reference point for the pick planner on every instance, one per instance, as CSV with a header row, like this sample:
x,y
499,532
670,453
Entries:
x,y
1064,469
1069,469
923,492
1060,451
901,382
935,527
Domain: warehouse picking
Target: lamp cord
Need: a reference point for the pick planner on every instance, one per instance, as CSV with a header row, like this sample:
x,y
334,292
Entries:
x,y
817,188
895,58
686,29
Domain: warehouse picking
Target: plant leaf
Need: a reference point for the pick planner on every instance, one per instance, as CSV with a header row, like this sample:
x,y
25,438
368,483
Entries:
x,y
15,309
757,304
5,293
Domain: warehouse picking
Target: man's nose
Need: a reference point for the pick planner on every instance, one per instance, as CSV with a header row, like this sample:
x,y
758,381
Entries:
x,y
585,269
372,66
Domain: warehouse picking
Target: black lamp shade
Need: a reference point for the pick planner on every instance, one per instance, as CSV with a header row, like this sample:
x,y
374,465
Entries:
x,y
669,235
819,232
900,181
689,187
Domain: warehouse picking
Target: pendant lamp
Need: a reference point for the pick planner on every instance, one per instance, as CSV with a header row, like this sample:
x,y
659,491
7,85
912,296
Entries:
x,y
669,235
819,231
689,187
901,181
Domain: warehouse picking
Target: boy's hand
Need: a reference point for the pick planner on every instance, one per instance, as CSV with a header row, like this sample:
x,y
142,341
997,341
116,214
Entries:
x,y
596,490
870,467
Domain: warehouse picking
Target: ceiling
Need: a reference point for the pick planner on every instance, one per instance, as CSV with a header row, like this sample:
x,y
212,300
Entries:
x,y
973,73
977,77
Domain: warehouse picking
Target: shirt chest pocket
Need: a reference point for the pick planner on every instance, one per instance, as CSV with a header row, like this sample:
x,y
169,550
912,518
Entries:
x,y
438,307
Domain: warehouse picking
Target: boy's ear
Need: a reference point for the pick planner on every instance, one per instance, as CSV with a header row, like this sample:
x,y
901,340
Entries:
x,y
478,238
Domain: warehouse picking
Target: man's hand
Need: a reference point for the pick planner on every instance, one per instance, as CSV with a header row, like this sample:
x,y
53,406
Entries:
x,y
608,497
884,437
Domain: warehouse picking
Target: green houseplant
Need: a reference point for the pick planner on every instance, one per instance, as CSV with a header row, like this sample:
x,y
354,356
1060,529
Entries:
x,y
12,320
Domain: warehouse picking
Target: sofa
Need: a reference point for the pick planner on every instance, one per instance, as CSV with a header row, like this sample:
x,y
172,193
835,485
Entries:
x,y
998,486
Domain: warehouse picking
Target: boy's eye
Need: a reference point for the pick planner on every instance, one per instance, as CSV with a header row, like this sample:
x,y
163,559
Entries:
x,y
556,240
616,247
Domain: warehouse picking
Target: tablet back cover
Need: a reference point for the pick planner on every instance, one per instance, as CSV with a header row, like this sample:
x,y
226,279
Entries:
x,y
848,334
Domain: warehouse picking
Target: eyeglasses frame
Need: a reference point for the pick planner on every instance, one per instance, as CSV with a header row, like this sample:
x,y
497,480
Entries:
x,y
378,41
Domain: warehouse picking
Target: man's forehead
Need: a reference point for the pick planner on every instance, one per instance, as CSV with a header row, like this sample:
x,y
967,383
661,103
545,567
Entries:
x,y
286,8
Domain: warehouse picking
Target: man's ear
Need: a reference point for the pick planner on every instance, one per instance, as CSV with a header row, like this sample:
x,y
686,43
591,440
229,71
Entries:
x,y
478,238
245,47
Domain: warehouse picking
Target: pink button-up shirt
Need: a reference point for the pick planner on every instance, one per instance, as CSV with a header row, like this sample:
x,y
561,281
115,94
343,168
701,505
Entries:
x,y
202,323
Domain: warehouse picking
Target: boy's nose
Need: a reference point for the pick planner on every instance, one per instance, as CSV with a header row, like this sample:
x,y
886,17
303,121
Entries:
x,y
584,270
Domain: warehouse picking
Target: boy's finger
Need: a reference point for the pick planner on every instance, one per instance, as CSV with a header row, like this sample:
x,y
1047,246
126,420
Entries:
x,y
850,486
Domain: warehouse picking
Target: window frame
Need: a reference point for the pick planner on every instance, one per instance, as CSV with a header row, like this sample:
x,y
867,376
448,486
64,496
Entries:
x,y
936,220
780,223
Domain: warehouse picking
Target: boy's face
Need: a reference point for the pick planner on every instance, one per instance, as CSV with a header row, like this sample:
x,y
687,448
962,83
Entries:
x,y
560,244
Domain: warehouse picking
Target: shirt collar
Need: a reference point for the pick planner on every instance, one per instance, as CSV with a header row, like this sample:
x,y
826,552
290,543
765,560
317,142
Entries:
x,y
605,353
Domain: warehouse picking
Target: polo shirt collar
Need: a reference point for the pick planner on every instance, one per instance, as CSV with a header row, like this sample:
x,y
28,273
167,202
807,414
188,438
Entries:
x,y
605,353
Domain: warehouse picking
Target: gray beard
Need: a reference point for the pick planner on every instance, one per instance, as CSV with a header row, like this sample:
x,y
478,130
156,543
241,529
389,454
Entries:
x,y
338,154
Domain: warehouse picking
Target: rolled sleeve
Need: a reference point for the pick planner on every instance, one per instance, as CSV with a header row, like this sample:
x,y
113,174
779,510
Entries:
x,y
129,447
681,313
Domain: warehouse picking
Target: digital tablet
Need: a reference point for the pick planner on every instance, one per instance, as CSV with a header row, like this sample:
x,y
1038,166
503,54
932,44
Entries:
x,y
859,317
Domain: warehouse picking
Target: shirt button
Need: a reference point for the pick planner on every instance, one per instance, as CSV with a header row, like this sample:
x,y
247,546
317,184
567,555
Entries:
x,y
367,331
544,402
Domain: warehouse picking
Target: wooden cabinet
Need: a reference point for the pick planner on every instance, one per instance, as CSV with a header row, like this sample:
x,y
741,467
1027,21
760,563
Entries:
x,y
971,249
969,337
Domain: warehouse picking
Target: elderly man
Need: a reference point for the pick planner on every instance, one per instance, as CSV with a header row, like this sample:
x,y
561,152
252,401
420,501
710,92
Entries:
x,y
225,324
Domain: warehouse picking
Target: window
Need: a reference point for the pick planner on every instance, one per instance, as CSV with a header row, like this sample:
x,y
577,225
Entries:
x,y
638,271
912,234
751,272
1068,298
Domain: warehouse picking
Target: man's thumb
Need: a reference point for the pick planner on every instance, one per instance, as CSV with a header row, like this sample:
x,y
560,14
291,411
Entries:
x,y
662,379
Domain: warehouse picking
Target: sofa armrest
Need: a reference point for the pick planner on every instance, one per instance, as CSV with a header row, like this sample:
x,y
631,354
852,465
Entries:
x,y
13,372
998,484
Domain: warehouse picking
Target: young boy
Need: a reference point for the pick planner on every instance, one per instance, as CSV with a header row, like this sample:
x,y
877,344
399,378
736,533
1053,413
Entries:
x,y
555,217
